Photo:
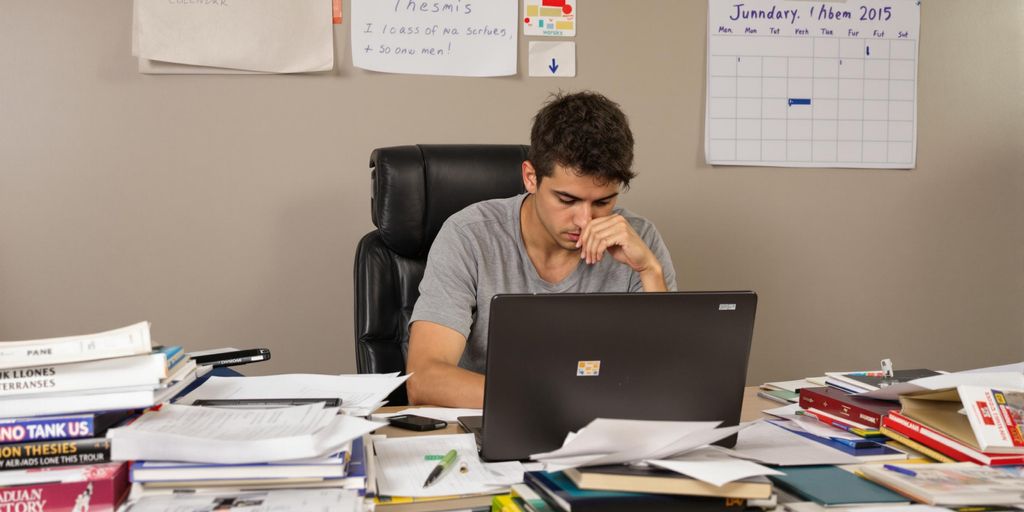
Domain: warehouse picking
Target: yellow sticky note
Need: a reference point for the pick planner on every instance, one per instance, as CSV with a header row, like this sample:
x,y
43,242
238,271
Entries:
x,y
532,10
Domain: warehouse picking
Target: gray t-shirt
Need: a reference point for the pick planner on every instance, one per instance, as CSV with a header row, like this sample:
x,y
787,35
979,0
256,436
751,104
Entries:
x,y
479,253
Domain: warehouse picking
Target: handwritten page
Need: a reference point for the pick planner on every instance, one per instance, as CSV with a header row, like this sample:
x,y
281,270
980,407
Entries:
x,y
549,18
812,84
276,36
403,464
447,37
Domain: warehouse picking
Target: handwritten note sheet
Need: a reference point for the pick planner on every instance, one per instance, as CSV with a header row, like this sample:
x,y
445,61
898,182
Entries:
x,y
436,37
274,36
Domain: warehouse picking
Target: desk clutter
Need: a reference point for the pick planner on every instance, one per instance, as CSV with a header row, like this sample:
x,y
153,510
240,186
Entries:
x,y
111,421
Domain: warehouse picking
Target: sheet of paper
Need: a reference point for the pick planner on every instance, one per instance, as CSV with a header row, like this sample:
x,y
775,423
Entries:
x,y
1003,368
276,36
552,58
605,436
318,500
403,464
355,391
812,84
555,18
236,436
769,444
792,385
1010,380
451,415
786,411
613,441
714,467
435,38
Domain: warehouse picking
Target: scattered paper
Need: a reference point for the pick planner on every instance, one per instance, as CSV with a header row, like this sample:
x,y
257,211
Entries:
x,y
403,464
616,441
792,385
769,444
451,415
235,436
358,393
320,500
786,411
439,38
555,18
277,36
713,466
1007,380
553,59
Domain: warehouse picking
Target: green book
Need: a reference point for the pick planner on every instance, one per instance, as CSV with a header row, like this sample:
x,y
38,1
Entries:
x,y
832,486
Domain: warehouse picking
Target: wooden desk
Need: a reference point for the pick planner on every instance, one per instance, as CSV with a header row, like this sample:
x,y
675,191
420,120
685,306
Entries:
x,y
752,407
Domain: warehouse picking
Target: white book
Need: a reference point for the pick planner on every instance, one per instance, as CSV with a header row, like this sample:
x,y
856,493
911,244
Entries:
x,y
134,397
141,370
996,417
126,341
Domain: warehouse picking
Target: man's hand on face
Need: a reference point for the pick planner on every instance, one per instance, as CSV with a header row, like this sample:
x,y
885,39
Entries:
x,y
613,235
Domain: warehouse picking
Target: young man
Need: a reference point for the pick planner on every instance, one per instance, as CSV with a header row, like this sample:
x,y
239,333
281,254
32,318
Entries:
x,y
564,235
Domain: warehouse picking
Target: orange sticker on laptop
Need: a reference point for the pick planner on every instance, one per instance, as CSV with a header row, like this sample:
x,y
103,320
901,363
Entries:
x,y
588,368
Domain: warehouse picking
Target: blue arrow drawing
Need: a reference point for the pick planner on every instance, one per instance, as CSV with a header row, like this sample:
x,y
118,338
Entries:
x,y
554,66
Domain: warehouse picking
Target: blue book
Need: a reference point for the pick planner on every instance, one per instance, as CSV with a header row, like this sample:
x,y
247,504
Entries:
x,y
868,450
53,428
832,486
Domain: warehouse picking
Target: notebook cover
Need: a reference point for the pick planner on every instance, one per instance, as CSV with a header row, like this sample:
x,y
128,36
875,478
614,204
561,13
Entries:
x,y
829,486
579,500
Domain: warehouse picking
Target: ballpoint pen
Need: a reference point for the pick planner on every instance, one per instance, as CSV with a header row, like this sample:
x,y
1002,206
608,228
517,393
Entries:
x,y
439,469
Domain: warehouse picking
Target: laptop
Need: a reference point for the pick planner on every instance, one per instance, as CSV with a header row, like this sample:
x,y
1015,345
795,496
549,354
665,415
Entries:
x,y
555,362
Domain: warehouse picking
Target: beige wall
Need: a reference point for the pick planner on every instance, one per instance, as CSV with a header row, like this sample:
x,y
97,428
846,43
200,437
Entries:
x,y
226,209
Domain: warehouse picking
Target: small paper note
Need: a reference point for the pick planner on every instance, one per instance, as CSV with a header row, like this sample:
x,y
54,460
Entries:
x,y
553,59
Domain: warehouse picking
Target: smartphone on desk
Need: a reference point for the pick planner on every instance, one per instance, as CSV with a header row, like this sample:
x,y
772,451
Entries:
x,y
418,423
230,356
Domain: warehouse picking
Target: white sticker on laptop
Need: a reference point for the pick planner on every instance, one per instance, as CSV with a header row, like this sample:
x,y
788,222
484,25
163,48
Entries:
x,y
588,368
727,307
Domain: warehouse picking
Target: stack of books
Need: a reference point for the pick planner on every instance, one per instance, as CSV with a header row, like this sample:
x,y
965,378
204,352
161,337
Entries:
x,y
624,487
58,398
344,469
964,424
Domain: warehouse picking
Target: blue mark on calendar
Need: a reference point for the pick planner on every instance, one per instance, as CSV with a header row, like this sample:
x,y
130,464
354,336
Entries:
x,y
799,101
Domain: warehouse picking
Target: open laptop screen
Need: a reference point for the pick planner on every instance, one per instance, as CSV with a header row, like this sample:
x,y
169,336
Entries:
x,y
557,361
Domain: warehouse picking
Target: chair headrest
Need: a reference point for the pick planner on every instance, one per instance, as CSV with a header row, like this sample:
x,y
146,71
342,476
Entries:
x,y
416,188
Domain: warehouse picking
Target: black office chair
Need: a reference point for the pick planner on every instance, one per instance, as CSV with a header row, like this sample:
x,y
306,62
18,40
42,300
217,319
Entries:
x,y
413,191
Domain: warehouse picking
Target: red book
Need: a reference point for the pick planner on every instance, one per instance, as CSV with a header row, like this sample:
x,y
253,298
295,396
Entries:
x,y
944,444
864,411
96,488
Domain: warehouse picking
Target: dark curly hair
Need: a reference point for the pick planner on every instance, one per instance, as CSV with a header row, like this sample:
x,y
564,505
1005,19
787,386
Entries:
x,y
585,132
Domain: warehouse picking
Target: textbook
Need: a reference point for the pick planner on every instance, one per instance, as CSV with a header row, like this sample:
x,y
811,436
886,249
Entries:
x,y
141,370
961,484
96,488
832,486
866,411
108,399
126,341
560,492
46,428
42,454
990,420
944,444
631,478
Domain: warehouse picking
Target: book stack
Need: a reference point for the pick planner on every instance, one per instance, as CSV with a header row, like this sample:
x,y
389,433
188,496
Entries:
x,y
59,397
224,451
963,424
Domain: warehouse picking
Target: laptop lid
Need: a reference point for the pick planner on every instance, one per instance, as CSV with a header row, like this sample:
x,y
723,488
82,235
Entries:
x,y
555,362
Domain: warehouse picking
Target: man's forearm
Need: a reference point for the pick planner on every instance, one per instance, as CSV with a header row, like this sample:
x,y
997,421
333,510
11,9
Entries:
x,y
653,279
446,385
